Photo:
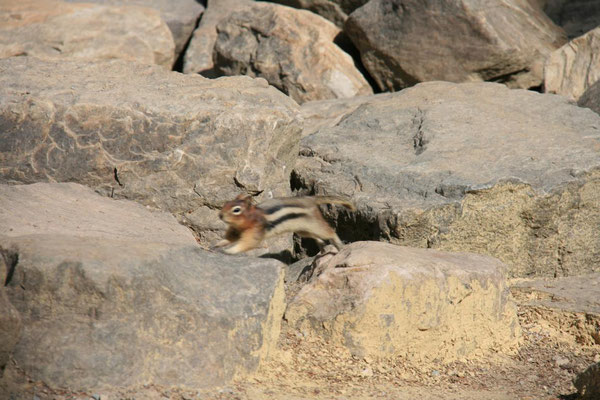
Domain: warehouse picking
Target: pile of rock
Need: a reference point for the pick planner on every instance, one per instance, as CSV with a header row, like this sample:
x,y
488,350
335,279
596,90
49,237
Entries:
x,y
114,141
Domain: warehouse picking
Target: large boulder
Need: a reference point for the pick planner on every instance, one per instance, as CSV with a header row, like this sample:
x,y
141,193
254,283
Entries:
x,y
403,42
336,11
173,141
198,56
113,295
573,68
180,16
591,98
471,167
382,301
292,49
52,29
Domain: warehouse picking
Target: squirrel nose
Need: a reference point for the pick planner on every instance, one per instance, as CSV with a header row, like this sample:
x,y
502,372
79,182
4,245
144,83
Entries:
x,y
221,214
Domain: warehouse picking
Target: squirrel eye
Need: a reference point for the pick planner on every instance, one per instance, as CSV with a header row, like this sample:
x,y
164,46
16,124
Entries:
x,y
236,210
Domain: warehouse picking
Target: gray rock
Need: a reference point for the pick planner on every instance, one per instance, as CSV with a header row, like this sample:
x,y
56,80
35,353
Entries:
x,y
292,49
381,301
10,320
300,270
591,98
125,297
73,209
199,54
471,167
52,29
168,140
576,17
405,42
336,11
572,69
588,383
180,16
573,293
570,306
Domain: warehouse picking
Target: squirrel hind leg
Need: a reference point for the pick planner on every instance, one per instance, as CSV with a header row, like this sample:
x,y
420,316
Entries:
x,y
323,234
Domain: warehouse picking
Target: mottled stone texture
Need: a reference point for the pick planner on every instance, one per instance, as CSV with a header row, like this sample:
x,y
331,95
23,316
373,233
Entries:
x,y
199,54
292,49
572,69
180,16
112,295
443,165
165,139
56,30
403,42
382,300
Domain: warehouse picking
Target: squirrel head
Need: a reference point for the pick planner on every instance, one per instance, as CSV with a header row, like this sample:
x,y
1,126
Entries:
x,y
237,212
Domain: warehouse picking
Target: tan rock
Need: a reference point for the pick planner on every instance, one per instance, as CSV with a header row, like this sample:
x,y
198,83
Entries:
x,y
180,16
169,140
405,42
381,300
113,295
52,29
473,167
566,307
292,49
72,209
199,54
572,69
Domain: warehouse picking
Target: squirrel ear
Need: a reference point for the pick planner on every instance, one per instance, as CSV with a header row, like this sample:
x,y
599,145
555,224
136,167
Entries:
x,y
245,197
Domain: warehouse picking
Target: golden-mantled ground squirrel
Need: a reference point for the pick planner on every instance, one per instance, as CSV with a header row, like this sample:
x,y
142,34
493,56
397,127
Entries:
x,y
249,224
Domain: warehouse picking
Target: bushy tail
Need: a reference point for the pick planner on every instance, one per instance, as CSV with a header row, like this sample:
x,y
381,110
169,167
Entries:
x,y
335,200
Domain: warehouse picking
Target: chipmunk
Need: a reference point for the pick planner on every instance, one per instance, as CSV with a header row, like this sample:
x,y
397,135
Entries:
x,y
250,224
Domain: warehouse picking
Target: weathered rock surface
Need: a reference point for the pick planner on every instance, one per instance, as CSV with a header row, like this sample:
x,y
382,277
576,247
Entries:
x,y
112,294
576,17
405,42
172,141
292,49
53,29
591,98
588,383
382,300
442,165
10,323
573,68
180,16
336,11
566,307
198,57
75,210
